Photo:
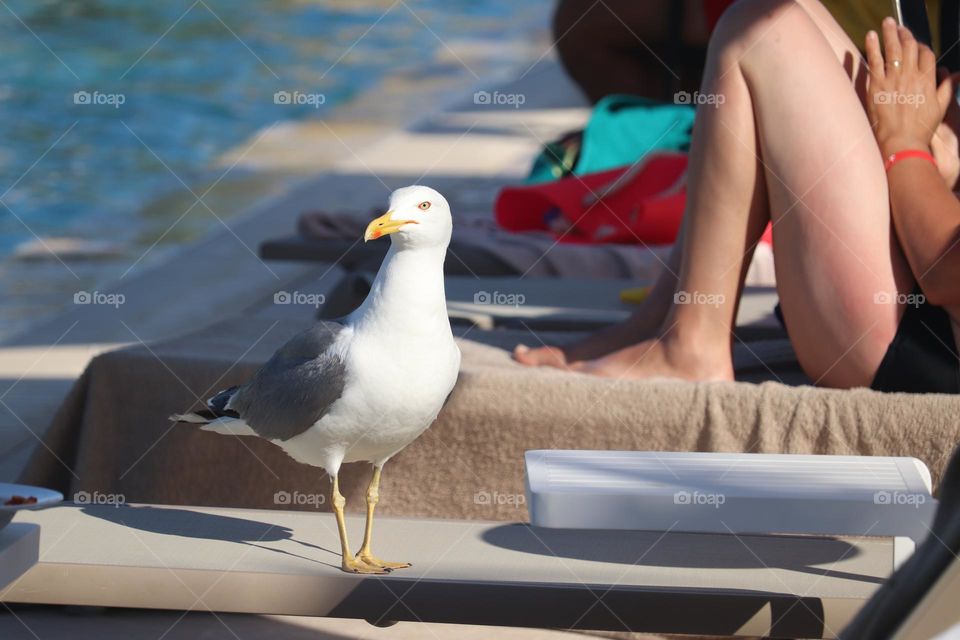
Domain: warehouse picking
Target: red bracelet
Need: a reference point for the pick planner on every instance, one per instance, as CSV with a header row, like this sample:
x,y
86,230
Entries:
x,y
908,153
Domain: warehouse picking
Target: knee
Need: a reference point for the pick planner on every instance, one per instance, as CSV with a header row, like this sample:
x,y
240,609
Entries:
x,y
857,364
747,22
744,16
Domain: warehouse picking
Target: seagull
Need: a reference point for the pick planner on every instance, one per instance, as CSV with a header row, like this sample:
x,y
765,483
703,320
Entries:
x,y
365,388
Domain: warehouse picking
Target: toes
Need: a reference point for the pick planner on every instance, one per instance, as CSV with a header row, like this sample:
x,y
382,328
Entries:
x,y
366,570
541,357
382,564
554,357
581,367
359,566
523,354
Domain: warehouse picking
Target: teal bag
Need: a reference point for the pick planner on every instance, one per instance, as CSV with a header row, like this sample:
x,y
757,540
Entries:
x,y
622,129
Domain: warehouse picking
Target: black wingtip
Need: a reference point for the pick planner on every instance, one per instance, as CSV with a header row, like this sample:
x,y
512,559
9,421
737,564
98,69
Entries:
x,y
217,405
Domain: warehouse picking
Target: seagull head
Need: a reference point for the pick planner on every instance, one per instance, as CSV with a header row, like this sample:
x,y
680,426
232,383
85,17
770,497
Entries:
x,y
417,217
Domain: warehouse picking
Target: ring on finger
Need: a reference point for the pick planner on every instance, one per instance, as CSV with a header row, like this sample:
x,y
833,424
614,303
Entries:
x,y
895,64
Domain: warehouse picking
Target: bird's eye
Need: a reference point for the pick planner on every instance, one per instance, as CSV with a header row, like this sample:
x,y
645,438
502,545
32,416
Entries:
x,y
423,206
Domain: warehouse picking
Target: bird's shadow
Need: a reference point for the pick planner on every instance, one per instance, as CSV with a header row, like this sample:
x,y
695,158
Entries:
x,y
186,523
798,553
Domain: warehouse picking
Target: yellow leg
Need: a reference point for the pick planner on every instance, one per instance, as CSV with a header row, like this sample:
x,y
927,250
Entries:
x,y
350,564
365,554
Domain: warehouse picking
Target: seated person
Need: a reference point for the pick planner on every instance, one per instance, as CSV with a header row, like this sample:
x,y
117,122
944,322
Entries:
x,y
867,256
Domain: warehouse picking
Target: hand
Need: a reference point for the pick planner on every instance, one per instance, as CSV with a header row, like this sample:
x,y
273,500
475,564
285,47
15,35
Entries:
x,y
903,101
944,144
945,150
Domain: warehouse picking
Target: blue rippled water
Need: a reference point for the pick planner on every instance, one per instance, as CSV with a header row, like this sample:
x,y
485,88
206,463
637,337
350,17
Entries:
x,y
104,103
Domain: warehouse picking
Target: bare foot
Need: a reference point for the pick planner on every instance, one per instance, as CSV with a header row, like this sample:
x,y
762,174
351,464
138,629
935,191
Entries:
x,y
663,358
606,341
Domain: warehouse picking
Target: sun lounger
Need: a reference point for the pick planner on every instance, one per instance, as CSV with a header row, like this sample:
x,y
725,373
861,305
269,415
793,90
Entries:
x,y
358,255
113,435
113,432
511,574
478,249
281,562
552,304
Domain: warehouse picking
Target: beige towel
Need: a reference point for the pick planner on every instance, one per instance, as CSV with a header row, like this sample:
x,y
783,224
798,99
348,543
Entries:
x,y
112,434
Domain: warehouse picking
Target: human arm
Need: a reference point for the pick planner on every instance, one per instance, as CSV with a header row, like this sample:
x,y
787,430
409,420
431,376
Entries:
x,y
906,107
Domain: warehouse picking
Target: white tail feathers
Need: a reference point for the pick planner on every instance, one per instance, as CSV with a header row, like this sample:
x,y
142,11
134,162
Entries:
x,y
229,427
225,425
192,418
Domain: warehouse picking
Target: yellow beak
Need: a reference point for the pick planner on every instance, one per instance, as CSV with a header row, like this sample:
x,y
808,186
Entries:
x,y
384,225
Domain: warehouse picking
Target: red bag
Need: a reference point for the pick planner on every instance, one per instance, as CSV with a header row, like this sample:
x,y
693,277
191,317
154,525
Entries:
x,y
647,207
639,204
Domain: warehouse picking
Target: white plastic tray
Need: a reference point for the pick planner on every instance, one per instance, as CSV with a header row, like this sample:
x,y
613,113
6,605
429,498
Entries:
x,y
729,493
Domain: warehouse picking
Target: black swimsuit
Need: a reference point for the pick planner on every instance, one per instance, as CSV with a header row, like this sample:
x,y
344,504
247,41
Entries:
x,y
923,355
922,358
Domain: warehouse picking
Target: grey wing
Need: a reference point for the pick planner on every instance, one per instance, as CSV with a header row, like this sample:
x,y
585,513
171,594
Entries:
x,y
296,387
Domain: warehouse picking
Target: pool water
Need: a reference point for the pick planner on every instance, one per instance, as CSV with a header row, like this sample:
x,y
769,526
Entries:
x,y
107,105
